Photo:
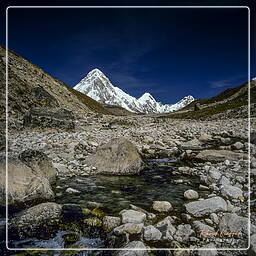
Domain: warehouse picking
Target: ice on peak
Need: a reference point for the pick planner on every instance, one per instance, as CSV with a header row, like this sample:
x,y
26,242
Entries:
x,y
97,86
95,71
146,96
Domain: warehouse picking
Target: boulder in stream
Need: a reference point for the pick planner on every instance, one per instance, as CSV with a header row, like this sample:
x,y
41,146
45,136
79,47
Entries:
x,y
119,157
25,184
38,221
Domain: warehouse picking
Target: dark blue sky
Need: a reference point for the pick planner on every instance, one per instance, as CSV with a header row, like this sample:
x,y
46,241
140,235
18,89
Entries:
x,y
168,52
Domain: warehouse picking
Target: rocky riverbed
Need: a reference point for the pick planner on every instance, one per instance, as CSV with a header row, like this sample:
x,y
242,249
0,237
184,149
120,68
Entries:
x,y
132,182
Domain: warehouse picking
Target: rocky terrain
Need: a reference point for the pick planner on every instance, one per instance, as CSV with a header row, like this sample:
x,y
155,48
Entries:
x,y
81,177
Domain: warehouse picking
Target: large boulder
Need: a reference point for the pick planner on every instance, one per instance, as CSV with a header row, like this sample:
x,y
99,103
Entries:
x,y
206,207
119,157
29,178
39,221
47,117
39,163
211,155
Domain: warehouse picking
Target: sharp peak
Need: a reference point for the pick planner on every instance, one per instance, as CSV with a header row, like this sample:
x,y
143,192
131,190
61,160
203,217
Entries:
x,y
95,71
146,94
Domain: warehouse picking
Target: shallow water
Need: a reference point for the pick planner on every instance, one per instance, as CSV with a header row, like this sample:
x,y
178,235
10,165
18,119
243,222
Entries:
x,y
115,193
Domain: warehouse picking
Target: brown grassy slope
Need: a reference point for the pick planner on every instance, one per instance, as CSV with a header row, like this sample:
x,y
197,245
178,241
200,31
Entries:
x,y
24,76
241,100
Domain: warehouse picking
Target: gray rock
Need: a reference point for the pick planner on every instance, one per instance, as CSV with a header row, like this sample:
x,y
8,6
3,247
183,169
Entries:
x,y
37,220
166,228
132,246
191,194
72,191
214,175
128,228
39,163
47,117
205,207
183,233
62,168
202,229
162,206
219,155
231,222
224,180
131,216
205,137
231,192
24,184
214,217
151,233
238,145
110,222
119,156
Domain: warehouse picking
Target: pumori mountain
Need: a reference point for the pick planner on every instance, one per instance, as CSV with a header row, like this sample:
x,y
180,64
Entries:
x,y
97,86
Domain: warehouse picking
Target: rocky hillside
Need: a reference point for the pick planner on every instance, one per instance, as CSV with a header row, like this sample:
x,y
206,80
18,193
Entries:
x,y
232,103
29,87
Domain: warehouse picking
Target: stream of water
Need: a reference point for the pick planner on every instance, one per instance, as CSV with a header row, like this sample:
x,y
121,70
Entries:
x,y
116,193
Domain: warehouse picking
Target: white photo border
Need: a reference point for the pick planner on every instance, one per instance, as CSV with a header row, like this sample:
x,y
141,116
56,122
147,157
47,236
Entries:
x,y
126,249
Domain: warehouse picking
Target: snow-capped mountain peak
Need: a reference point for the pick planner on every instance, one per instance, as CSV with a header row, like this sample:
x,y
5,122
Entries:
x,y
146,97
97,86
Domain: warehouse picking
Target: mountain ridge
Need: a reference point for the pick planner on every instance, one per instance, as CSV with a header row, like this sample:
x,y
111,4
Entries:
x,y
98,86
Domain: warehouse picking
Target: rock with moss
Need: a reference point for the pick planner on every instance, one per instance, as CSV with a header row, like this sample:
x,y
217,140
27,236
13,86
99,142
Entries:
x,y
40,221
70,238
110,222
93,222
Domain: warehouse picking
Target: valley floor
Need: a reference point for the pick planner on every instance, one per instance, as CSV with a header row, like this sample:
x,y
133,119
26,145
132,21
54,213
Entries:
x,y
206,159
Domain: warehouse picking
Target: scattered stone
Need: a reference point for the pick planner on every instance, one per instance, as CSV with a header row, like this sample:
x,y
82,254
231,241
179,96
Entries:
x,y
72,191
219,155
151,233
183,233
162,206
128,228
234,224
238,145
131,216
231,192
191,194
166,228
202,229
205,207
110,222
